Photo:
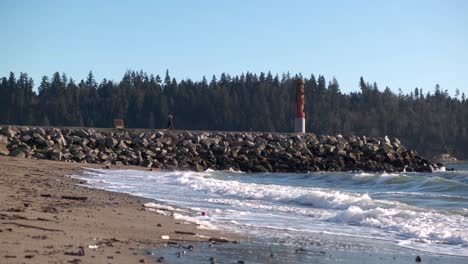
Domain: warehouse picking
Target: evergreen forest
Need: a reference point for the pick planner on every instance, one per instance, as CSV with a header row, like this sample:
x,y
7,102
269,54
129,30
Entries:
x,y
432,122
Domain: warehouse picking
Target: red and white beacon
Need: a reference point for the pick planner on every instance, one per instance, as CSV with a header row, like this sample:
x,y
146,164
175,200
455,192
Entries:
x,y
299,124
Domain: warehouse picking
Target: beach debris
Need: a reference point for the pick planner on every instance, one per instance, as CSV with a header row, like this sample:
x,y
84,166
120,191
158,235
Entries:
x,y
418,259
203,213
165,237
93,246
221,240
184,232
212,260
74,261
79,252
29,256
11,217
190,247
43,219
160,259
141,261
16,210
49,209
41,237
35,227
76,198
9,256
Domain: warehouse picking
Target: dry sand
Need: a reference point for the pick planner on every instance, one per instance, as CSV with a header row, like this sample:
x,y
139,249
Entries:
x,y
47,218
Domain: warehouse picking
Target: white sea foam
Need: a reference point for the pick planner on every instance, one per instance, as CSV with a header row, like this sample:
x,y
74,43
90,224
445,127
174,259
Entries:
x,y
275,193
160,206
203,222
238,205
408,224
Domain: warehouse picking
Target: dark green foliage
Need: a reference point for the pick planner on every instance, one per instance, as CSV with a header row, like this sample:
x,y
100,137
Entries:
x,y
430,123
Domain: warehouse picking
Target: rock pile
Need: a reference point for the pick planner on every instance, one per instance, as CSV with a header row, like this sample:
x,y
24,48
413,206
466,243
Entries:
x,y
184,150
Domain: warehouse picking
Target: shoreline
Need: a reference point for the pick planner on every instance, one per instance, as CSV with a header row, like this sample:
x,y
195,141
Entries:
x,y
49,217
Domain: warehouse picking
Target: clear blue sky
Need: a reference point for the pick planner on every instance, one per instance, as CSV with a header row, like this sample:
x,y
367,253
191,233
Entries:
x,y
400,44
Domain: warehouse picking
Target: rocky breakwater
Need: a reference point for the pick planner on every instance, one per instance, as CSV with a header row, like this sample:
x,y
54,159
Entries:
x,y
184,150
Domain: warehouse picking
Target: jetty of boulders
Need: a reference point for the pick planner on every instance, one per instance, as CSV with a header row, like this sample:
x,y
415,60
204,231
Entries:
x,y
201,150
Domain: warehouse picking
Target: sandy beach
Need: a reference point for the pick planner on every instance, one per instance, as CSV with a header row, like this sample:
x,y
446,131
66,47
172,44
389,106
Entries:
x,y
47,217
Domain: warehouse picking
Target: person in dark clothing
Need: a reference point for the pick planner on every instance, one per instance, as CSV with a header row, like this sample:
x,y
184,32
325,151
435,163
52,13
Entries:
x,y
169,122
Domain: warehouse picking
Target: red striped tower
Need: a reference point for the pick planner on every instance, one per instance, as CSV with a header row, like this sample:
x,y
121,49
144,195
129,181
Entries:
x,y
299,124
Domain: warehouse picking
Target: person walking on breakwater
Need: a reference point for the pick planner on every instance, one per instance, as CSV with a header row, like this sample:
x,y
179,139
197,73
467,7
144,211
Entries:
x,y
169,122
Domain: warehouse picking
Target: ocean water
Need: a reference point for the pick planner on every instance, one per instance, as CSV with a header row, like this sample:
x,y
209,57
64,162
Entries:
x,y
378,212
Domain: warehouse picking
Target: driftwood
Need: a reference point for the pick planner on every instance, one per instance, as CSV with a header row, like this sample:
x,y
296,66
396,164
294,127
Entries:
x,y
76,198
35,227
11,217
20,217
184,233
221,240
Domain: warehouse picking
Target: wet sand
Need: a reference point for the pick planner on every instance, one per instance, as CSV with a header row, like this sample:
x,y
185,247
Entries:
x,y
46,217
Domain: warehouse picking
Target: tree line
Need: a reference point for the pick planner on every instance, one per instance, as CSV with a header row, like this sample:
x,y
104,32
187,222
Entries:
x,y
432,122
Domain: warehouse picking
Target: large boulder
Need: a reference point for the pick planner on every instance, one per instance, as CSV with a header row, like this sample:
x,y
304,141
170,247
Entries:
x,y
111,142
3,145
8,131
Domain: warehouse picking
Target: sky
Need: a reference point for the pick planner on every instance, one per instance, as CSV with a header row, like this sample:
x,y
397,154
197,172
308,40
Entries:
x,y
399,43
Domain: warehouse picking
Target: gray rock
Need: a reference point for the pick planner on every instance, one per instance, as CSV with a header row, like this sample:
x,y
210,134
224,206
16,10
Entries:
x,y
386,146
81,133
8,131
111,142
260,168
79,156
3,140
3,145
329,148
249,144
147,163
56,155
369,147
18,153
26,138
122,145
49,143
387,140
